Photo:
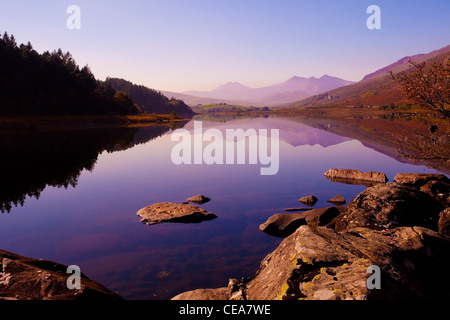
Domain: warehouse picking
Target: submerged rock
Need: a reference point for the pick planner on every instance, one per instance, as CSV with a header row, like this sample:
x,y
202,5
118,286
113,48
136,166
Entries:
x,y
356,175
25,278
199,199
173,212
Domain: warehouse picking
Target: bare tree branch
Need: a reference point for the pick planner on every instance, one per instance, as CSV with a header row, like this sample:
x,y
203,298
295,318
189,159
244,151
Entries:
x,y
429,86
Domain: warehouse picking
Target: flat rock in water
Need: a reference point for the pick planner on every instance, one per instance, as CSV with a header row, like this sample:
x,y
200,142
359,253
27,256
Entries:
x,y
199,199
173,212
356,175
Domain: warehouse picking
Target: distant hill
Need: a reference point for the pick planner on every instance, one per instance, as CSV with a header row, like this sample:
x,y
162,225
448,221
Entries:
x,y
375,88
150,100
294,89
52,84
193,101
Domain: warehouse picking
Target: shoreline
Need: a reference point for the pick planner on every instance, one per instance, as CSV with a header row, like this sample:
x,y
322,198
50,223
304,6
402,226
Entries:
x,y
68,122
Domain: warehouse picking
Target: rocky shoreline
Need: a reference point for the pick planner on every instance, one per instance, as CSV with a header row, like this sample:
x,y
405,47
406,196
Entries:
x,y
400,228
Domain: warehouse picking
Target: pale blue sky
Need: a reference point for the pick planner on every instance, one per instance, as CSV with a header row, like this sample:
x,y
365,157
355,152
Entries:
x,y
200,44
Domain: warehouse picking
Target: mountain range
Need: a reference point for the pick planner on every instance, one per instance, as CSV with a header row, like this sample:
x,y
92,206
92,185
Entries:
x,y
297,92
294,89
375,88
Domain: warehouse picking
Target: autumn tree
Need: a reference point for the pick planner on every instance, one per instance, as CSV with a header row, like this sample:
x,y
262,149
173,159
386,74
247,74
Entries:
x,y
429,86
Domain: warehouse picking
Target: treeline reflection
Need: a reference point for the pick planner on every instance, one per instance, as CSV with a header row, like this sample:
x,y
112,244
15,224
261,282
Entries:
x,y
33,160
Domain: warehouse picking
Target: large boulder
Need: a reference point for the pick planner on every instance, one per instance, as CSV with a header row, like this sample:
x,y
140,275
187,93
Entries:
x,y
419,179
387,206
436,185
24,278
284,224
173,212
355,176
322,264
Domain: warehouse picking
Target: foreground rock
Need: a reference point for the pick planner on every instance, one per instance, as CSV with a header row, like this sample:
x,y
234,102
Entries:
x,y
399,227
322,264
390,205
284,224
25,278
356,176
173,212
199,199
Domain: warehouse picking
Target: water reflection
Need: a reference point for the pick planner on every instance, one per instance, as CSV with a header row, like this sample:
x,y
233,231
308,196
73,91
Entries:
x,y
405,139
33,160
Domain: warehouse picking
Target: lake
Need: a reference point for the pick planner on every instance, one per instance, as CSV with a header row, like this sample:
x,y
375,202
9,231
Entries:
x,y
71,196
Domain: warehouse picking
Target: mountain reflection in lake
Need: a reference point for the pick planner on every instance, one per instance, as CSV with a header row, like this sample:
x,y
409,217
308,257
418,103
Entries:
x,y
91,183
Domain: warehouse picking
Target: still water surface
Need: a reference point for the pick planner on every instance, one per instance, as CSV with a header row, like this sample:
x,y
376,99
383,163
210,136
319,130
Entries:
x,y
88,217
